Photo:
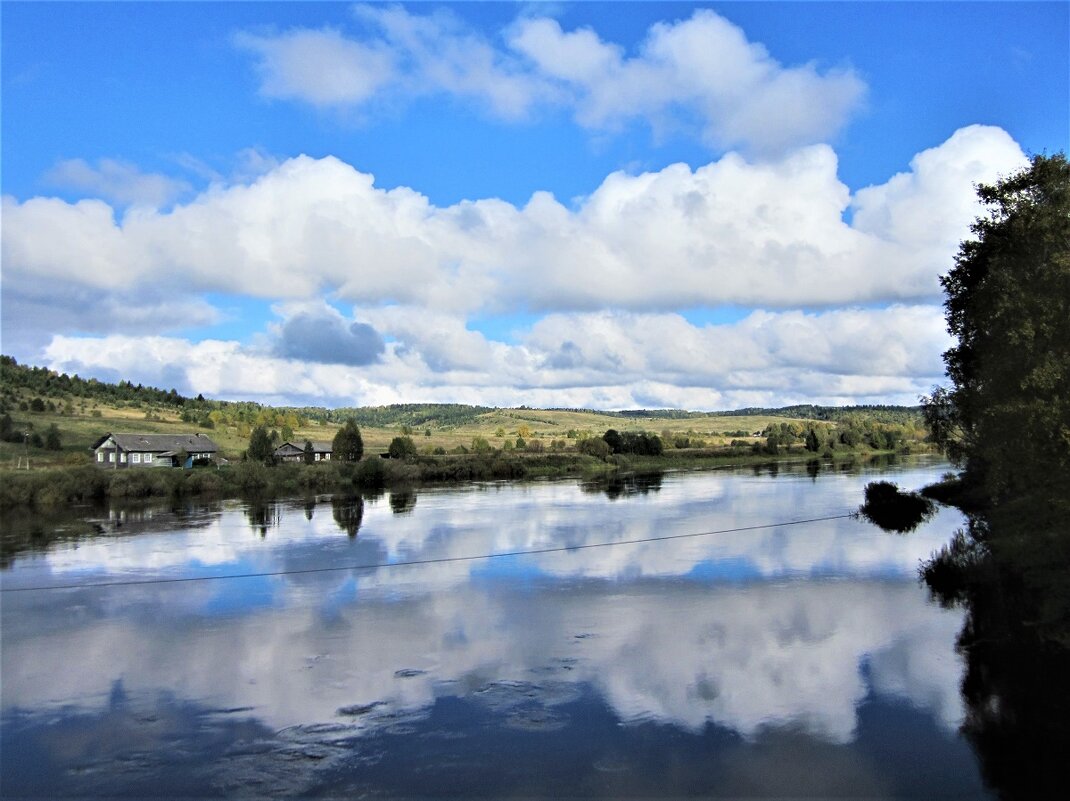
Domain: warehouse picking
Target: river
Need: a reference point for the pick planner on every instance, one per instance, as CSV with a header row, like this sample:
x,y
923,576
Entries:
x,y
685,635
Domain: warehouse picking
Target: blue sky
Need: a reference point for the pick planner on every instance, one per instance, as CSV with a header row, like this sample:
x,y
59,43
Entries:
x,y
590,204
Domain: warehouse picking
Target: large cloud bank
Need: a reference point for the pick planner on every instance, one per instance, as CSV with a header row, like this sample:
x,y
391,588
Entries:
x,y
611,360
603,278
730,232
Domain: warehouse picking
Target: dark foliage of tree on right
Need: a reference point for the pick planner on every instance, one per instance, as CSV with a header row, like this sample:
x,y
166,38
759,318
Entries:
x,y
1008,304
1006,418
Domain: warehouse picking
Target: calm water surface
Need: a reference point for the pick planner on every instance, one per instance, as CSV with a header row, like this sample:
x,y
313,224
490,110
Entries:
x,y
793,660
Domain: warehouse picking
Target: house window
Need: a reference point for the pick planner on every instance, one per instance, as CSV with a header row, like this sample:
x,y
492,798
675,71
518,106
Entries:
x,y
100,456
317,457
111,456
326,456
122,456
135,458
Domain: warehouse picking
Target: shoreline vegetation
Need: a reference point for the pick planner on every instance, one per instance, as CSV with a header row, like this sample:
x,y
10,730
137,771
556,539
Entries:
x,y
50,420
49,488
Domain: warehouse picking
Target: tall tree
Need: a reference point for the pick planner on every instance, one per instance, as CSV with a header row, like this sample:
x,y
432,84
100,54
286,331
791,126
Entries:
x,y
1008,305
260,447
348,444
1008,414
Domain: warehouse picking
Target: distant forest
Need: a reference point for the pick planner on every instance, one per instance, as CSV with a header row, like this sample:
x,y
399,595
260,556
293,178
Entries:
x,y
22,380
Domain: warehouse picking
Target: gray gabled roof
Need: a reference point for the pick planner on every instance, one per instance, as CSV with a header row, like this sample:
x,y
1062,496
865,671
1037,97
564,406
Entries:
x,y
317,447
156,443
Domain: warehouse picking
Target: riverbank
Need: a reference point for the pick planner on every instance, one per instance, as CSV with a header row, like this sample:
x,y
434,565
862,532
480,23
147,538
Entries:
x,y
65,485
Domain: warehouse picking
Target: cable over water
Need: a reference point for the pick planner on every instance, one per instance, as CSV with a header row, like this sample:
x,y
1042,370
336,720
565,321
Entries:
x,y
434,561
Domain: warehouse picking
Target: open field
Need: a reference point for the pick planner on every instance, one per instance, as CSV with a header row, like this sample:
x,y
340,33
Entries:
x,y
86,424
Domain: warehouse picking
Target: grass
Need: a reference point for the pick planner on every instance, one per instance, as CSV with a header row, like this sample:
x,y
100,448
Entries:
x,y
78,431
68,475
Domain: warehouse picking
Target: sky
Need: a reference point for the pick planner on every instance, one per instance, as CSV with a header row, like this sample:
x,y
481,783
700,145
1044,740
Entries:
x,y
603,205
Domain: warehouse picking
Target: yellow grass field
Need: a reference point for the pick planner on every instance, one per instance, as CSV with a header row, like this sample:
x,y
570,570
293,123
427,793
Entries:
x,y
88,423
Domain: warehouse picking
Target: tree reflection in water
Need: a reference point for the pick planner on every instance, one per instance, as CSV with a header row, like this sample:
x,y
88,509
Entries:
x,y
1016,643
402,502
262,515
348,512
618,486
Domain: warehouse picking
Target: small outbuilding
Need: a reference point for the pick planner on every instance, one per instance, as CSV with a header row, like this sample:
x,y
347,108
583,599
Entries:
x,y
295,451
120,450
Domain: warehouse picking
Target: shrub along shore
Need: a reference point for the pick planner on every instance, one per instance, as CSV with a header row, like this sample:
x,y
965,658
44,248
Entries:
x,y
53,487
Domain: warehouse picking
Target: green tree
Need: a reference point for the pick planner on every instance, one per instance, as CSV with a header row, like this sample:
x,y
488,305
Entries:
x,y
348,444
310,452
1007,303
812,443
52,440
613,440
402,448
260,448
1006,418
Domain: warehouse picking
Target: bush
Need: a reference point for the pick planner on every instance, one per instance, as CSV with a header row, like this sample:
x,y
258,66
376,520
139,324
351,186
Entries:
x,y
598,448
370,473
250,476
203,482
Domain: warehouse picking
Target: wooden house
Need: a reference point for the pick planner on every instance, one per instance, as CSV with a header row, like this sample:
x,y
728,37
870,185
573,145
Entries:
x,y
295,451
121,450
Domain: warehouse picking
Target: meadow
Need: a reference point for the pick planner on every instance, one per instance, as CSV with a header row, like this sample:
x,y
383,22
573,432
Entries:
x,y
51,422
83,424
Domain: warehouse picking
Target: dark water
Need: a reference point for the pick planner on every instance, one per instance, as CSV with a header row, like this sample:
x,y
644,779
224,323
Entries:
x,y
800,660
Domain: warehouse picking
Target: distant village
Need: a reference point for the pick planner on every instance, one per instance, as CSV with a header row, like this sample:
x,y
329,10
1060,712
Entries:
x,y
119,451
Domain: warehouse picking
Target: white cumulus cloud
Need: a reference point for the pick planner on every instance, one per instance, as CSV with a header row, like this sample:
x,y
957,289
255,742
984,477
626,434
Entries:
x,y
700,69
321,67
594,359
118,181
729,232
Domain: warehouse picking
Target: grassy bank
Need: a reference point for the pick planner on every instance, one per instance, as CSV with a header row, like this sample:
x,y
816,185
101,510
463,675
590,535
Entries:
x,y
66,485
52,487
